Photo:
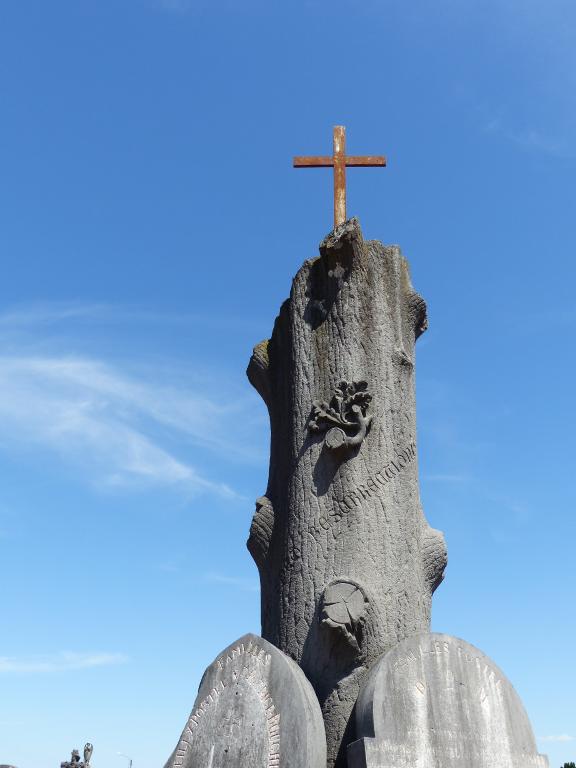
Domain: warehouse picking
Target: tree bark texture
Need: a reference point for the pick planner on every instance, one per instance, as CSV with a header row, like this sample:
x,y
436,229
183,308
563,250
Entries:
x,y
347,561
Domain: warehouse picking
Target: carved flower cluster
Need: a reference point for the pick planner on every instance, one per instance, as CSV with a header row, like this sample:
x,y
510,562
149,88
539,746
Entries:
x,y
346,408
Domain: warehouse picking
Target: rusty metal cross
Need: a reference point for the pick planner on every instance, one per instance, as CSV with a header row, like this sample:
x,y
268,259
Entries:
x,y
339,161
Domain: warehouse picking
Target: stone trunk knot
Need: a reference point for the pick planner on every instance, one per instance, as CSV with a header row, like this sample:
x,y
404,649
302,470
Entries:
x,y
343,608
261,530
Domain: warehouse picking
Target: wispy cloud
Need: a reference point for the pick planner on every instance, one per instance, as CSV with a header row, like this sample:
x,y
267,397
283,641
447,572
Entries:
x,y
540,322
122,428
49,315
92,414
65,661
168,568
53,312
516,508
531,103
561,737
248,585
532,139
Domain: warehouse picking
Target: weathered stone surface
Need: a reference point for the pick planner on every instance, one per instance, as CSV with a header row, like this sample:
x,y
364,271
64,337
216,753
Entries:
x,y
435,700
75,761
347,560
254,709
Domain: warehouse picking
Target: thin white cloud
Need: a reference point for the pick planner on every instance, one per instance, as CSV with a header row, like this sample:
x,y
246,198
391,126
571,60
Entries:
x,y
248,585
531,139
65,661
168,568
95,416
48,315
561,738
127,424
537,113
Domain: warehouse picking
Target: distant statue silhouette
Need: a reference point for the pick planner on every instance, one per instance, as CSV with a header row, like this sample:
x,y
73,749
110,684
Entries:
x,y
75,761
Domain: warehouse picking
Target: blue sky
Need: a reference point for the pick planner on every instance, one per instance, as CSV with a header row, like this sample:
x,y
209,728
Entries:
x,y
151,224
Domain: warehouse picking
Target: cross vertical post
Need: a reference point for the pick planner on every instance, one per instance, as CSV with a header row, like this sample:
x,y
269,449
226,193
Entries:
x,y
339,175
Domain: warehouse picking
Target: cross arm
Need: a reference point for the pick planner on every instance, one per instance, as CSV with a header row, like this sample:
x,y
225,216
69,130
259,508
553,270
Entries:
x,y
352,161
313,162
371,160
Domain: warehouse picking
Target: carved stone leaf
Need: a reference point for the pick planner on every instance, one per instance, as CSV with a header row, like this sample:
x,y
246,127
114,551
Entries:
x,y
360,398
323,416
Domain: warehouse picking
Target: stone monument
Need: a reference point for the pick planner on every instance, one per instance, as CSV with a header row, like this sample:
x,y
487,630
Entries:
x,y
75,761
347,562
436,700
255,707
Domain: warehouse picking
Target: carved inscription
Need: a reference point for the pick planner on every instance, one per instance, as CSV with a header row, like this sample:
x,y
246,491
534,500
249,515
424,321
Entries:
x,y
245,663
436,700
244,650
272,719
486,677
354,499
373,484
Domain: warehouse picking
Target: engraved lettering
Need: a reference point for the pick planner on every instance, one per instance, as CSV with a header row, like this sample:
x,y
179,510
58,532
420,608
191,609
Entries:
x,y
345,500
353,499
381,480
256,659
371,483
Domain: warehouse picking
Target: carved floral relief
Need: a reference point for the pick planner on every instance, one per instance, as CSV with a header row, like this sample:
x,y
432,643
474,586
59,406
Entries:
x,y
345,419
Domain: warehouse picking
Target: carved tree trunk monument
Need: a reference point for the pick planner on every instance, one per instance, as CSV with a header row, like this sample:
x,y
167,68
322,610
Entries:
x,y
348,563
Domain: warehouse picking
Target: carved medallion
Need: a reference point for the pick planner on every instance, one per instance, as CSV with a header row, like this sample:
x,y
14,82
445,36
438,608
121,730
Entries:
x,y
343,607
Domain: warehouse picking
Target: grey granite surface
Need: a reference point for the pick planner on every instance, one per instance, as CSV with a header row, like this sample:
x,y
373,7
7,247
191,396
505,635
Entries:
x,y
254,709
437,701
